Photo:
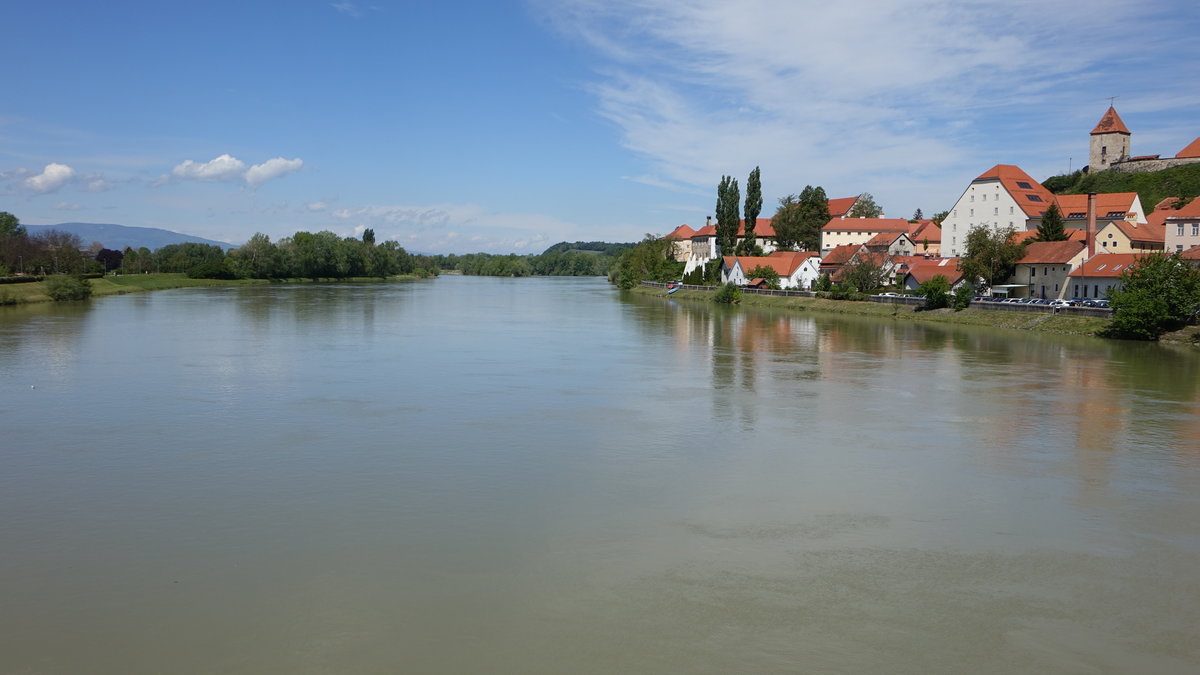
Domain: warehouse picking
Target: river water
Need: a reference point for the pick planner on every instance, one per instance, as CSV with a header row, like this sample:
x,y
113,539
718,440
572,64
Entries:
x,y
475,475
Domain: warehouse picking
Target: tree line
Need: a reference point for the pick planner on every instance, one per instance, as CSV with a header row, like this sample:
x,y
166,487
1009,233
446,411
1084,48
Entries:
x,y
304,255
578,259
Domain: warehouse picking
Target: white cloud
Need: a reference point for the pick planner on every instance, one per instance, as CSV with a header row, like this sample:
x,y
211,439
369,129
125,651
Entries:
x,y
99,185
317,207
347,8
53,177
840,94
272,169
65,206
225,167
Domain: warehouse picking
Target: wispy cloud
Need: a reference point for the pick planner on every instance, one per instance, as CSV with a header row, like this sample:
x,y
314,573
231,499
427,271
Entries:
x,y
66,206
348,8
840,93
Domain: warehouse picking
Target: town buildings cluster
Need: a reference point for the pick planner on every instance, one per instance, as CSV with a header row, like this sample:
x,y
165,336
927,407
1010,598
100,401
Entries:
x,y
1107,232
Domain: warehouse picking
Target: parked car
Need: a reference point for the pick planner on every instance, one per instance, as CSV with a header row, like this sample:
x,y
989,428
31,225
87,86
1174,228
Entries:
x,y
1060,303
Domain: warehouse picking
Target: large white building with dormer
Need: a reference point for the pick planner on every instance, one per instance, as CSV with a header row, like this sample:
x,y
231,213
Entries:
x,y
1003,196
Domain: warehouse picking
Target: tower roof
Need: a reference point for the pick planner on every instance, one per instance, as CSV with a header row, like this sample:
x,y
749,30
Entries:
x,y
1111,124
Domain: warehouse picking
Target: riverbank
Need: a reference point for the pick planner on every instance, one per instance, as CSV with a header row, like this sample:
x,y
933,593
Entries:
x,y
1043,323
20,294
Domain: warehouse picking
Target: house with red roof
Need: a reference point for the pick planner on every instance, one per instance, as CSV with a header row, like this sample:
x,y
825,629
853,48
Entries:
x,y
1109,206
1122,236
1182,228
1044,268
704,242
923,270
1002,197
1099,275
796,269
681,242
839,256
838,208
1191,256
891,243
856,231
928,238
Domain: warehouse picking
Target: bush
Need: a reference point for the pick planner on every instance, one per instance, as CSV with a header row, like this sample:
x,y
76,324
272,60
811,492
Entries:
x,y
936,292
1158,294
728,294
215,269
962,297
67,287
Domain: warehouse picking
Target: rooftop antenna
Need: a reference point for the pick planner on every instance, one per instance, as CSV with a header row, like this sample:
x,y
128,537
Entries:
x,y
1112,100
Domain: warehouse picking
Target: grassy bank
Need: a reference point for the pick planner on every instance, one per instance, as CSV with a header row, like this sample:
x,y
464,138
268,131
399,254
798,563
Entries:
x,y
17,294
1039,322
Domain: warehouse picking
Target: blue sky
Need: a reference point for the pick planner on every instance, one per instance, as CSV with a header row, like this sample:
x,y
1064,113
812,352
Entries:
x,y
457,127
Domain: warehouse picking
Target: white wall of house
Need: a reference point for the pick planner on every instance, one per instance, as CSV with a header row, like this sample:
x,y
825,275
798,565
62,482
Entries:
x,y
984,203
703,249
1045,280
1090,287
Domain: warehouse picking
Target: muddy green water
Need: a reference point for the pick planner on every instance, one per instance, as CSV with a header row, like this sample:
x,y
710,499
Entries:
x,y
544,476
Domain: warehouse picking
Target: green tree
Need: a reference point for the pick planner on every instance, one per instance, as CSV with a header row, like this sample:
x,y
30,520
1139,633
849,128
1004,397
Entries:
x,y
368,237
787,223
1158,293
936,292
650,260
962,296
766,273
799,219
258,258
753,203
865,207
939,217
1051,227
992,255
727,214
917,215
10,226
863,275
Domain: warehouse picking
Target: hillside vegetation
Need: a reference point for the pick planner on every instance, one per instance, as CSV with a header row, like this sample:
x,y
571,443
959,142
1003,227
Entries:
x,y
1152,186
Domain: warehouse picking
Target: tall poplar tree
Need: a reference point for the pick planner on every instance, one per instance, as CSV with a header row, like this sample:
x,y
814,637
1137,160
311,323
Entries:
x,y
1051,228
727,214
753,203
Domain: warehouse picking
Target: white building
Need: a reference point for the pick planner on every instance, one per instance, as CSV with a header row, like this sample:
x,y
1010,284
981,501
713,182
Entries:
x,y
1003,196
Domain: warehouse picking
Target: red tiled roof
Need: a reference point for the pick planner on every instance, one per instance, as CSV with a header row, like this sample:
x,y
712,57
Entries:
x,y
1051,252
1111,123
784,266
762,228
868,225
1106,265
706,231
927,230
1143,232
884,238
802,255
1073,234
840,207
1192,150
840,254
1190,211
1108,204
681,232
1161,210
1033,199
1192,253
947,267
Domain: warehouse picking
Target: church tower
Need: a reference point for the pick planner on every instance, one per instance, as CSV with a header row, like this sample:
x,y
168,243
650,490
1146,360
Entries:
x,y
1110,142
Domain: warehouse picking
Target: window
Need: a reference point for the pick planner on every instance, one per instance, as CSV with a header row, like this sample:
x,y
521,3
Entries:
x,y
1032,271
996,211
1033,198
1195,229
972,197
1180,227
1023,185
1010,210
1180,232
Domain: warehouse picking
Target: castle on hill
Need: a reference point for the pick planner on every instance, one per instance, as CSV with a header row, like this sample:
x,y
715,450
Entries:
x,y
1110,149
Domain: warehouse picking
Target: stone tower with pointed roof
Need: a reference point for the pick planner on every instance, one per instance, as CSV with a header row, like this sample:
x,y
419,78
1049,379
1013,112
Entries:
x,y
1110,142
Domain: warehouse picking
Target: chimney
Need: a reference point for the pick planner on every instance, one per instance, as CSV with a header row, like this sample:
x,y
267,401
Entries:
x,y
708,221
1091,225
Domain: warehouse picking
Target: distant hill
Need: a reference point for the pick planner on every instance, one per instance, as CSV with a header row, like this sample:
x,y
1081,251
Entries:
x,y
597,247
1151,186
117,237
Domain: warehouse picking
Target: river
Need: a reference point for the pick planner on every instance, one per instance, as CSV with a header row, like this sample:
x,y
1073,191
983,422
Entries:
x,y
472,475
